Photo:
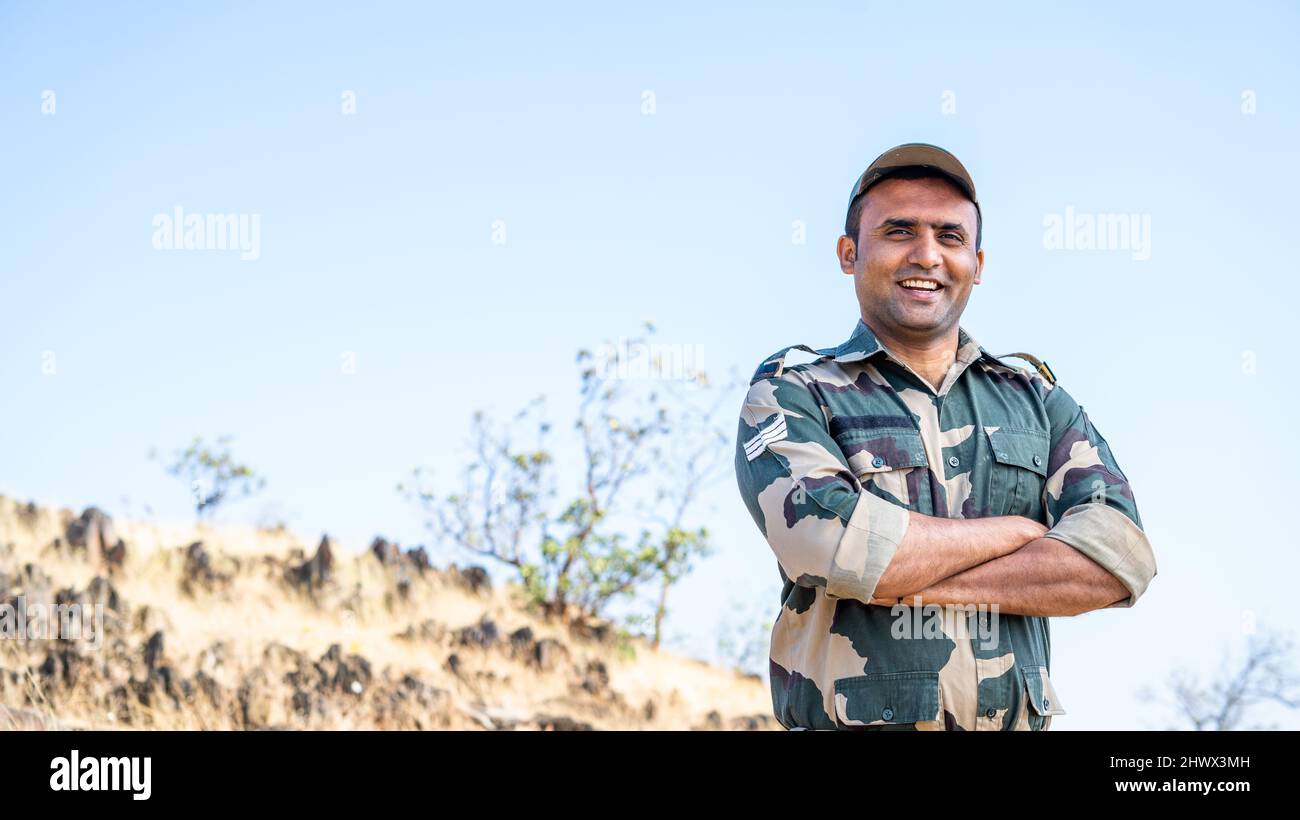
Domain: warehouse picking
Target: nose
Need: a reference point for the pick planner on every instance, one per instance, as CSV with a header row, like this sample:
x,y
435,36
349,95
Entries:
x,y
925,253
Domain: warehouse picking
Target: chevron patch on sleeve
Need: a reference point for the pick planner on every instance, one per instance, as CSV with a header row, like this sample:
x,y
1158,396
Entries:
x,y
772,433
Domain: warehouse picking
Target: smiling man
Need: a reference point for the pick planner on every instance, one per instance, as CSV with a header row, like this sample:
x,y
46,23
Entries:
x,y
909,478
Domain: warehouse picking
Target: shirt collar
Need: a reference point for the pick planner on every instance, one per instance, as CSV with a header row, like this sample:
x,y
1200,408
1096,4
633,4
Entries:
x,y
863,344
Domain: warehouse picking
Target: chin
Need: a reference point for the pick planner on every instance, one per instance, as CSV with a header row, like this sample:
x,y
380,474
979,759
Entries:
x,y
910,323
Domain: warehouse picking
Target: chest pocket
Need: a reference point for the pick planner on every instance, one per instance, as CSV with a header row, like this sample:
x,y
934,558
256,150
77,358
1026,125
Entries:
x,y
884,459
1019,472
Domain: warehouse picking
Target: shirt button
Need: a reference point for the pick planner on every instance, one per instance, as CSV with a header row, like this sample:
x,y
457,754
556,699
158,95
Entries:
x,y
1003,456
991,712
1047,704
953,461
887,714
1038,461
877,462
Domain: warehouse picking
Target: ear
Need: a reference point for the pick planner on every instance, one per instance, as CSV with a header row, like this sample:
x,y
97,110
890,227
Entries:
x,y
847,251
979,265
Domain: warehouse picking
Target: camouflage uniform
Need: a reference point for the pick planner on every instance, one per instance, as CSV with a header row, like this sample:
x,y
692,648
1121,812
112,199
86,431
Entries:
x,y
829,458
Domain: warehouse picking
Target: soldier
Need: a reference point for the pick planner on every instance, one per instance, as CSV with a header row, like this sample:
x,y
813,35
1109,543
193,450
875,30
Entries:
x,y
930,506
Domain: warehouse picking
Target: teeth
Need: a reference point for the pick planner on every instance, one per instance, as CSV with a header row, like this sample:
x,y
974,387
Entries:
x,y
919,283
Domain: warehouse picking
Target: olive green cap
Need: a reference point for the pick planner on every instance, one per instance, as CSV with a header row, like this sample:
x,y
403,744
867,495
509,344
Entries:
x,y
910,155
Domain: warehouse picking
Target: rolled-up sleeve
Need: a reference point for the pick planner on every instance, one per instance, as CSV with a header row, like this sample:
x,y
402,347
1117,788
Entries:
x,y
824,529
1089,501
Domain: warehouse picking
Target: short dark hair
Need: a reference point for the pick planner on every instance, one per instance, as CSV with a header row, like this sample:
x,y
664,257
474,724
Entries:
x,y
854,220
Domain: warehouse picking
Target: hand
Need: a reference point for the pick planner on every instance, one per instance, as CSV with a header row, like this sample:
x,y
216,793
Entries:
x,y
1033,529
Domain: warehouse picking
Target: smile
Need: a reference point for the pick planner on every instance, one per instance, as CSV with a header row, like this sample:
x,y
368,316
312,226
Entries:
x,y
920,284
923,289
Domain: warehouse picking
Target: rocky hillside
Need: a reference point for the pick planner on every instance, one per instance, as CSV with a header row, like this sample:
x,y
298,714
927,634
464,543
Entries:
x,y
223,628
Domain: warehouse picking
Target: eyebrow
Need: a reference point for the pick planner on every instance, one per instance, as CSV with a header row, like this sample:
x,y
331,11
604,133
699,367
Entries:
x,y
903,222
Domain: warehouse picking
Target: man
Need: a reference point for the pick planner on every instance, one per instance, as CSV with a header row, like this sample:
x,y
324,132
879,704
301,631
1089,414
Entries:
x,y
930,506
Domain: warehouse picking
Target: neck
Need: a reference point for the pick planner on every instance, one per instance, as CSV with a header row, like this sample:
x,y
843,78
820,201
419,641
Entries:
x,y
930,357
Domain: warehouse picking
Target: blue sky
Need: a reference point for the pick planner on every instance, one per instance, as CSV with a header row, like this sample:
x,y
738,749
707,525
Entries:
x,y
376,238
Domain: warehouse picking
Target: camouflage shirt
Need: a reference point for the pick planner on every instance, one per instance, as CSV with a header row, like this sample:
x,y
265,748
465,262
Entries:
x,y
831,455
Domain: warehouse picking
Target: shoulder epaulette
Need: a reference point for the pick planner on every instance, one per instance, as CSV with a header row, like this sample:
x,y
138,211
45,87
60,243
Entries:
x,y
1039,365
774,365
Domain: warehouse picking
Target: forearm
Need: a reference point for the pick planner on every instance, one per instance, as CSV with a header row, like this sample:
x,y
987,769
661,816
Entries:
x,y
934,549
1045,578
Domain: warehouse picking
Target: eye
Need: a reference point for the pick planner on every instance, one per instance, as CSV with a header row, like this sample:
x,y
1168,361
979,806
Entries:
x,y
893,231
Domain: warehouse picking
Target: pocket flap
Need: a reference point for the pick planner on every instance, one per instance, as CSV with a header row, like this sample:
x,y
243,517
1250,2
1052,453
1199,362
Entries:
x,y
1042,695
1020,448
887,697
873,448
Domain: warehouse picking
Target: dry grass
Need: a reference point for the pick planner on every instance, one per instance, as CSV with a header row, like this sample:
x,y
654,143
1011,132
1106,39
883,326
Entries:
x,y
250,650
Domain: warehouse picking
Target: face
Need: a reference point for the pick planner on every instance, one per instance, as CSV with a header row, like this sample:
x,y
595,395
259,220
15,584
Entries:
x,y
913,229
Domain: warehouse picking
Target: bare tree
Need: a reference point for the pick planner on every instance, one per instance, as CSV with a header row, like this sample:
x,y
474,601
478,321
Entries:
x,y
1224,701
697,454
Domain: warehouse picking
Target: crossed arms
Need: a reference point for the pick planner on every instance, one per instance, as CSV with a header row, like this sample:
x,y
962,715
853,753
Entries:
x,y
1003,561
827,530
